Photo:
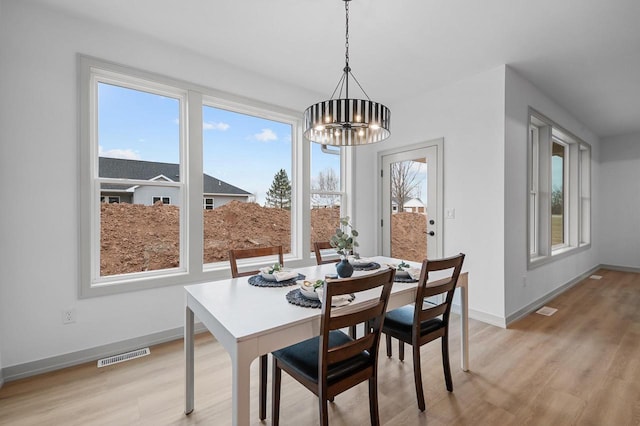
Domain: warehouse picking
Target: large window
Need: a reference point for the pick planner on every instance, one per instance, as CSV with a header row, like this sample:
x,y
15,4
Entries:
x,y
327,193
559,182
195,172
249,158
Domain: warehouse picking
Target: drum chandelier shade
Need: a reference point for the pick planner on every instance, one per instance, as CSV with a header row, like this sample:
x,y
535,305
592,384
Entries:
x,y
345,121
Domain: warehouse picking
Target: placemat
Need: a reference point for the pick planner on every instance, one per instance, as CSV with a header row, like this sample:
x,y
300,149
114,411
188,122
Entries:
x,y
295,297
366,267
258,281
404,279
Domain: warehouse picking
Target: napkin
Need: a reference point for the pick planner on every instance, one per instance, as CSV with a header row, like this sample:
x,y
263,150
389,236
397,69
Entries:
x,y
360,261
285,275
414,273
342,300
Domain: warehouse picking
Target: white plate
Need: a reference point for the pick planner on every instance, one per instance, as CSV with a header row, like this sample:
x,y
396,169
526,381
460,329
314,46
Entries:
x,y
264,273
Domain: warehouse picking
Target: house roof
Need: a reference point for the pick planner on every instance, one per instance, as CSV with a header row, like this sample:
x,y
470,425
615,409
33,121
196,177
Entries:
x,y
120,168
414,202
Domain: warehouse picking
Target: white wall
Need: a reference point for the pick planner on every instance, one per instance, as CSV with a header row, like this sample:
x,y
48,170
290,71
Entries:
x,y
520,94
39,169
619,225
469,115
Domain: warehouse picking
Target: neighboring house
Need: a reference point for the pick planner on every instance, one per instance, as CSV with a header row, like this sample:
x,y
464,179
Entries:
x,y
414,205
320,201
216,192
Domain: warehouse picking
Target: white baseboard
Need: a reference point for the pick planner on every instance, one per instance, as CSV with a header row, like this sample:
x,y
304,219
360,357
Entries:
x,y
536,304
621,268
33,368
481,316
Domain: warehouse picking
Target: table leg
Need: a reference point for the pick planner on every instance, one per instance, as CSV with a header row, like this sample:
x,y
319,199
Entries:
x,y
464,328
188,355
241,378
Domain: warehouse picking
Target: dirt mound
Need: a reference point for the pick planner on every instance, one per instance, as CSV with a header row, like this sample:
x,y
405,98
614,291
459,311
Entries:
x,y
408,236
138,238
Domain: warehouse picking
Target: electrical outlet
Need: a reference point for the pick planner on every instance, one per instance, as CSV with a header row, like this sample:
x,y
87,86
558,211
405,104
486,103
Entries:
x,y
450,213
68,316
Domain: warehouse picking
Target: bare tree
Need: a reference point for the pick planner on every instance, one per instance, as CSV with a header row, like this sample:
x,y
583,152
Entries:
x,y
405,182
326,181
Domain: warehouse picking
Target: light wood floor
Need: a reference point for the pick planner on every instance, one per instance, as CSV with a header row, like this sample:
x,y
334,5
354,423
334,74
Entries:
x,y
580,366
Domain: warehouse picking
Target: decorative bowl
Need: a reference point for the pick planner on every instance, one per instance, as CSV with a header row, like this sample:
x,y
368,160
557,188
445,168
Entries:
x,y
307,289
402,274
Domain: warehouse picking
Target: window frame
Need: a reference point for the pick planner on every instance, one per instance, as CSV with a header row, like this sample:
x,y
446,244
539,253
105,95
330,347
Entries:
x,y
205,205
191,269
160,198
542,133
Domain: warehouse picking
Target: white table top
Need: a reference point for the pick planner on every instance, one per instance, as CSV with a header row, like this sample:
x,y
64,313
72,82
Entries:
x,y
248,311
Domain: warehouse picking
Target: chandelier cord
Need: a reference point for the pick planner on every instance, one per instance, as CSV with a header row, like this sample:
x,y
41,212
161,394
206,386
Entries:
x,y
347,70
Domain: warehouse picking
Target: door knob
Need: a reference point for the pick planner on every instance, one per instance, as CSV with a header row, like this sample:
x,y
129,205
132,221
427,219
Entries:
x,y
431,222
432,233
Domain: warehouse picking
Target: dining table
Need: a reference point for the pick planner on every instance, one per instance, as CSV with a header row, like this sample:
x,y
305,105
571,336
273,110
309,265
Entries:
x,y
250,321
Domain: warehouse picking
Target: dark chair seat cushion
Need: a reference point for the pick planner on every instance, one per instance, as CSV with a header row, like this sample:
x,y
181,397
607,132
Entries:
x,y
303,358
400,321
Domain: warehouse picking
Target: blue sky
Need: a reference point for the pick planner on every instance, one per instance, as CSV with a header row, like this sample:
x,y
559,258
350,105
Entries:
x,y
241,150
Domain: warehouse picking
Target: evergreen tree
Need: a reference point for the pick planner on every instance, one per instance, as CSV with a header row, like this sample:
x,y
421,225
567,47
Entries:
x,y
279,195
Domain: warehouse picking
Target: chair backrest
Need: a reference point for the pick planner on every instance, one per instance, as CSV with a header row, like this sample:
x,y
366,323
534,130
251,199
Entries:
x,y
318,246
426,311
236,254
371,313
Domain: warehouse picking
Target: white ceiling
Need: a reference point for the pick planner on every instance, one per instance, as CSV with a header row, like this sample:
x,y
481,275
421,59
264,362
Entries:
x,y
585,54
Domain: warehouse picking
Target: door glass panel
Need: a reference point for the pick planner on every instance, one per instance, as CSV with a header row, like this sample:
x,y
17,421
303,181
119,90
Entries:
x,y
408,209
557,194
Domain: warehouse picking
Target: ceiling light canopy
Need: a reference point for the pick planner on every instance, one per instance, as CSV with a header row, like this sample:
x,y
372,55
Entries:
x,y
346,121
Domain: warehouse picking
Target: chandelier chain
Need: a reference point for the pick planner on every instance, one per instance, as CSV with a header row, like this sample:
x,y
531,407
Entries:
x,y
346,34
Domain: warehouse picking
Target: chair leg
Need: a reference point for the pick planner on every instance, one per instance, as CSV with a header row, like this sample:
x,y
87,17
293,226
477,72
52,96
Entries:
x,y
445,363
389,354
263,386
275,394
373,401
324,411
401,350
417,375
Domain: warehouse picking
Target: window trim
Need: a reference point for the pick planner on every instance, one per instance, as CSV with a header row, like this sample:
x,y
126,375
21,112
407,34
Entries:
x,y
191,268
539,226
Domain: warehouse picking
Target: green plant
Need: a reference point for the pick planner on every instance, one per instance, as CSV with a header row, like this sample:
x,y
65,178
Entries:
x,y
402,266
275,268
344,240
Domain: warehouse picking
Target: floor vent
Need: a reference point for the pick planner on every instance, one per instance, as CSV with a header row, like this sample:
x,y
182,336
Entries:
x,y
596,277
123,357
546,311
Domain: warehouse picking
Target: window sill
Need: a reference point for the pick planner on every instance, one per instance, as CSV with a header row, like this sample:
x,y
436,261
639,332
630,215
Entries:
x,y
560,253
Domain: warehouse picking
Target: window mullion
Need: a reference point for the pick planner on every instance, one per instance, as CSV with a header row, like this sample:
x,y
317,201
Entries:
x,y
194,186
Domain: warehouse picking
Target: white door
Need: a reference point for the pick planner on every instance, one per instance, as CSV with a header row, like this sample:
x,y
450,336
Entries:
x,y
412,202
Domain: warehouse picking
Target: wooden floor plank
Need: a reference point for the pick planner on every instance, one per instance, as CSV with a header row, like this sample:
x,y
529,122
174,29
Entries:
x,y
580,366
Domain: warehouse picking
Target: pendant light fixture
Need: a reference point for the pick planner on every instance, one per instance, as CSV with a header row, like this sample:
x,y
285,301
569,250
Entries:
x,y
346,121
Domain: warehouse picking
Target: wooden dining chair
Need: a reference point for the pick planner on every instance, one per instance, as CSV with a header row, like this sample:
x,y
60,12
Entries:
x,y
234,255
333,362
318,246
424,321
